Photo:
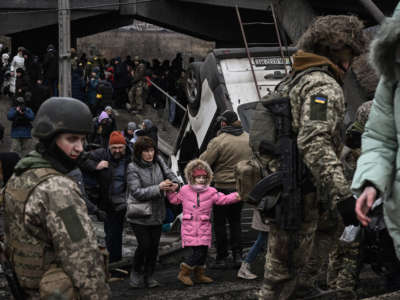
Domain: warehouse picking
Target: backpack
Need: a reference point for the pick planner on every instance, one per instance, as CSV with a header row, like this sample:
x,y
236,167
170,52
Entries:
x,y
263,142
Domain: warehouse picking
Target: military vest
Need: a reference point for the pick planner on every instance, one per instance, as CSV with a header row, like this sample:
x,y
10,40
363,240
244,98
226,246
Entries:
x,y
30,253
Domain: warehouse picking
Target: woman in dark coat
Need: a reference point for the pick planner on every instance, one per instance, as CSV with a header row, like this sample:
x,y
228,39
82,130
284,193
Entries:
x,y
148,179
78,84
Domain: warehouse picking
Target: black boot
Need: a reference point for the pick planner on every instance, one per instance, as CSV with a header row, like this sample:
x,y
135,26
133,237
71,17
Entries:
x,y
136,279
151,282
149,278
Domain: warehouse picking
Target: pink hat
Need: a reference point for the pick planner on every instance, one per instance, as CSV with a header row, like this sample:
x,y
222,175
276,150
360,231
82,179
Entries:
x,y
199,172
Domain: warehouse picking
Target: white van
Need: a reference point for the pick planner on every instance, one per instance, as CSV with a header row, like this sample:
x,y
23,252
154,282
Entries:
x,y
223,81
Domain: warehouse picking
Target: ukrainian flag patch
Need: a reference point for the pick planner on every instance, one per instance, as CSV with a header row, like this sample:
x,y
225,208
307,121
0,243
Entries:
x,y
320,100
318,109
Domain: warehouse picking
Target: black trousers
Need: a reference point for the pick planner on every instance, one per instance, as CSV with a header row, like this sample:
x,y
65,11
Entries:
x,y
198,257
232,214
120,97
148,238
113,228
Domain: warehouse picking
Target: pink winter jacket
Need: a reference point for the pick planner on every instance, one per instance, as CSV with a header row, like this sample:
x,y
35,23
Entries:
x,y
197,207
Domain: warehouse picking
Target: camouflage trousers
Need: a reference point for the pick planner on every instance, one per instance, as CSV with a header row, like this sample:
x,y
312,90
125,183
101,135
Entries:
x,y
287,255
344,268
135,96
333,264
316,269
295,261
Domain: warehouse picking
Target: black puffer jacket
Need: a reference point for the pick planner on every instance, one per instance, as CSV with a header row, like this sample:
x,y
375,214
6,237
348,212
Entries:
x,y
104,177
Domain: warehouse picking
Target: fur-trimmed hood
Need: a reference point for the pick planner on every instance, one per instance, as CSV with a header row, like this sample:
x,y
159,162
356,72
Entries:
x,y
198,164
383,47
365,75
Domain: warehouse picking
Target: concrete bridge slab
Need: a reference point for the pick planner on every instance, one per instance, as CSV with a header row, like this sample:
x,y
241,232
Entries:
x,y
51,4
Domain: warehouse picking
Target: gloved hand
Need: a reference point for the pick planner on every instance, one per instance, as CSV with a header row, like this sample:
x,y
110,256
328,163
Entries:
x,y
346,209
353,139
101,215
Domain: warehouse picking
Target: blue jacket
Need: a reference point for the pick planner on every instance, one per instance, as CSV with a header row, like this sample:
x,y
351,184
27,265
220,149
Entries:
x,y
92,91
21,124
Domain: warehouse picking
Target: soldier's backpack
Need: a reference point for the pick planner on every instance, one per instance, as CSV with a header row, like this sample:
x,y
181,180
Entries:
x,y
263,141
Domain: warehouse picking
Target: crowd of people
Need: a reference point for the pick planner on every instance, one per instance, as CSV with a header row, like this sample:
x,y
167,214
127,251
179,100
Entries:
x,y
98,82
121,176
29,80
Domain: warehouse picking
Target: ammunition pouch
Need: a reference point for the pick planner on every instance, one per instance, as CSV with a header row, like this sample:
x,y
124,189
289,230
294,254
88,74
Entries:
x,y
247,174
56,284
267,205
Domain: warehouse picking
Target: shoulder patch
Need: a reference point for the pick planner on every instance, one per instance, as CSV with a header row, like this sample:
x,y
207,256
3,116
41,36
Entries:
x,y
318,108
72,224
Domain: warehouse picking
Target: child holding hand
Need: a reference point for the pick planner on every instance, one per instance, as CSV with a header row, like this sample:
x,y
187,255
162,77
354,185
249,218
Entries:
x,y
197,199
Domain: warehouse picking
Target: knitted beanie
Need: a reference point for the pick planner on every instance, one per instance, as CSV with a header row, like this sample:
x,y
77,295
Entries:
x,y
116,137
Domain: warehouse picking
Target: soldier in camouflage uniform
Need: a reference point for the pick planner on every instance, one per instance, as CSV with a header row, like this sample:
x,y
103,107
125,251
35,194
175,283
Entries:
x,y
344,260
50,239
317,104
135,94
136,62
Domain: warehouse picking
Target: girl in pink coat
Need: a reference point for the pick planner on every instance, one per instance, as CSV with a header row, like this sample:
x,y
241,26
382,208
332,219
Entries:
x,y
197,199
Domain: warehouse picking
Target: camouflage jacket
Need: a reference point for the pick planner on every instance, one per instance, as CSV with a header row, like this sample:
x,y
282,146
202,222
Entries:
x,y
53,222
352,152
318,108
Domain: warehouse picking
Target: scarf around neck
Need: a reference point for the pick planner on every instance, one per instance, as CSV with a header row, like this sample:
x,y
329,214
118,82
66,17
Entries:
x,y
232,130
199,188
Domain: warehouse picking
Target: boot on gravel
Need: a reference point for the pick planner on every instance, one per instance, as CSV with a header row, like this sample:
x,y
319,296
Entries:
x,y
199,275
184,274
136,280
151,282
245,273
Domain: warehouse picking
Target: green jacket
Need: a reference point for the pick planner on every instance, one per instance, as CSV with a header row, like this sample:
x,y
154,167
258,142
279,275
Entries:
x,y
379,162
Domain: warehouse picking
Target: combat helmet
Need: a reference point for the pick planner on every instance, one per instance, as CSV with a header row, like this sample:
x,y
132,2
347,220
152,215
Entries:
x,y
62,114
328,34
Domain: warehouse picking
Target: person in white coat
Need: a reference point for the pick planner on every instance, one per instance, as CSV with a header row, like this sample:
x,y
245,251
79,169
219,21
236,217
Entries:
x,y
18,60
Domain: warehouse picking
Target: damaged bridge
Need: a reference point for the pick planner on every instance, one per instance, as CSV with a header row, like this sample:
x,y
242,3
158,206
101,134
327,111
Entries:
x,y
34,23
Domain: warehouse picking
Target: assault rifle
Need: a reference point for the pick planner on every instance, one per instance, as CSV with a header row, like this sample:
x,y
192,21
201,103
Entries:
x,y
288,210
10,275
